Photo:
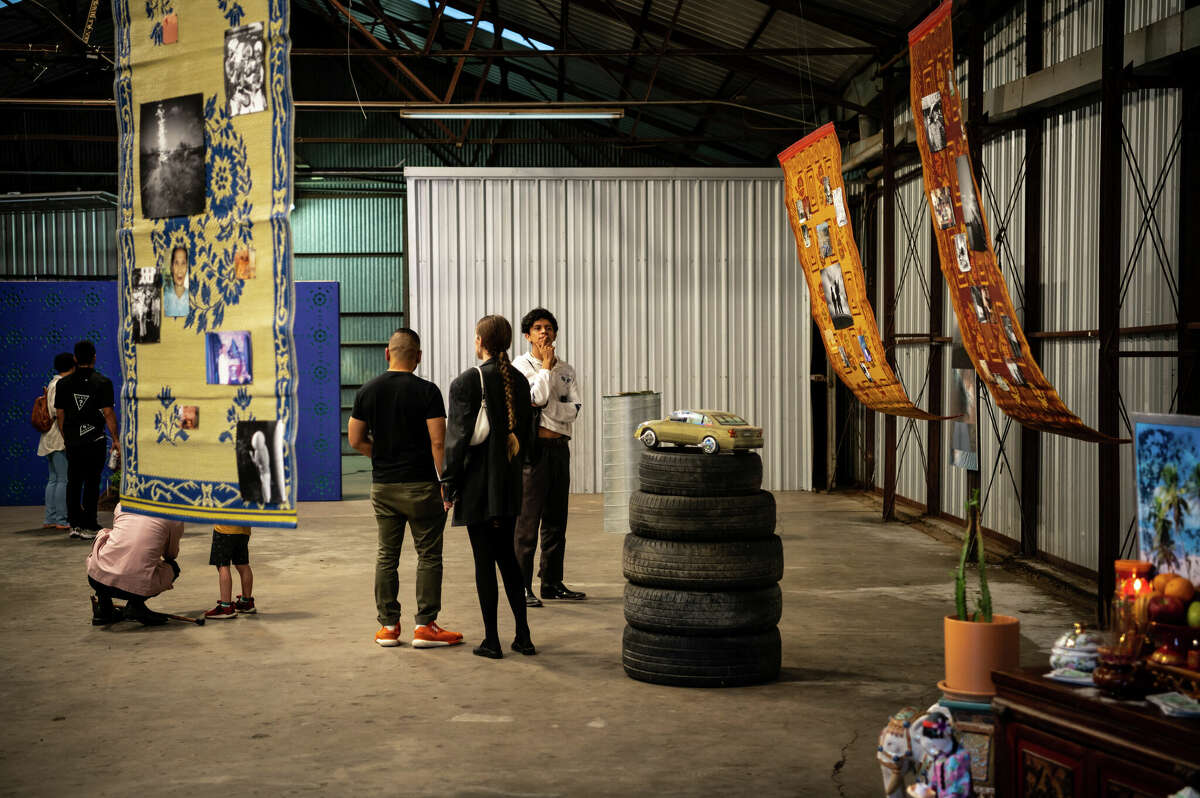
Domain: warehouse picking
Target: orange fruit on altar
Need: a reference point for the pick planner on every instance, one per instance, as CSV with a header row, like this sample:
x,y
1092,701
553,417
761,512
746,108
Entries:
x,y
1180,588
1160,582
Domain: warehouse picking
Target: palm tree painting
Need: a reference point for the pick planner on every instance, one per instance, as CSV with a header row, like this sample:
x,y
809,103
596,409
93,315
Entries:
x,y
1167,471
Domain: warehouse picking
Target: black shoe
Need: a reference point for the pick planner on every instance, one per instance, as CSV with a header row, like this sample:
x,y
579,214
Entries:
x,y
144,615
104,613
561,591
489,650
524,647
531,600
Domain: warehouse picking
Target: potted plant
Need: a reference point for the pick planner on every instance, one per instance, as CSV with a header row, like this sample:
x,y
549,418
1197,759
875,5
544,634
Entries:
x,y
979,642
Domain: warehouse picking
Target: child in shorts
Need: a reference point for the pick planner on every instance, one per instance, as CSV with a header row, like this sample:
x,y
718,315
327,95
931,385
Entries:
x,y
231,546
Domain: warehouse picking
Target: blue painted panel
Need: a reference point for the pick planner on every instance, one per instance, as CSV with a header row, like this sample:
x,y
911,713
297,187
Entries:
x,y
39,319
318,439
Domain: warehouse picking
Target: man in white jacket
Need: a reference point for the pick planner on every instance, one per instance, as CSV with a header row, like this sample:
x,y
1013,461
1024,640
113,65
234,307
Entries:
x,y
554,390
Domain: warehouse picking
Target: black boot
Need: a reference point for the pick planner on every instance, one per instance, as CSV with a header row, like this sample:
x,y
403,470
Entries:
x,y
558,590
104,613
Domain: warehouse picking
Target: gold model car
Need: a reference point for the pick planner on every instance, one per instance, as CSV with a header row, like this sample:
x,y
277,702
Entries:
x,y
714,431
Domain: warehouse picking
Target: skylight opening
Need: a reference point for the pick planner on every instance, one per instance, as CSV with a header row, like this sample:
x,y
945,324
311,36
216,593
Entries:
x,y
486,25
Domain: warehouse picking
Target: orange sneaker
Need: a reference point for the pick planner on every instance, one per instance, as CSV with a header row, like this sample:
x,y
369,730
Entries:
x,y
431,635
388,637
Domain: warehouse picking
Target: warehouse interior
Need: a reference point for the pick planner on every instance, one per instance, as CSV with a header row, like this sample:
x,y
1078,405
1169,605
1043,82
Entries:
x,y
657,232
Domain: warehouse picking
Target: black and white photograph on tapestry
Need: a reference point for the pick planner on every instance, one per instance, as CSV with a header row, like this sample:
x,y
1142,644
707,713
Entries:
x,y
983,304
1010,333
835,297
259,446
245,70
935,121
866,372
962,255
972,213
828,191
801,214
943,207
171,153
824,241
839,208
804,234
145,305
1014,371
845,359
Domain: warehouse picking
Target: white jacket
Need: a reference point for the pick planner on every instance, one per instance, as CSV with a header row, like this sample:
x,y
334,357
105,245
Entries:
x,y
555,390
52,439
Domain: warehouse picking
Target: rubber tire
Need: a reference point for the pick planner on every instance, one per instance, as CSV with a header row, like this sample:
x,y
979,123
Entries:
x,y
702,517
653,444
697,614
715,448
690,472
727,661
680,565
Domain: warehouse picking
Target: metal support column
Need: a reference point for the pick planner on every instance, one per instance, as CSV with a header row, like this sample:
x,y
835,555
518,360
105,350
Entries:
x,y
1031,439
975,144
1189,242
888,300
933,463
1109,278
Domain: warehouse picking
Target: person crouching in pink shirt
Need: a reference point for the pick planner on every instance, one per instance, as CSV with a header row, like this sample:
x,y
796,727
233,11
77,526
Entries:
x,y
134,561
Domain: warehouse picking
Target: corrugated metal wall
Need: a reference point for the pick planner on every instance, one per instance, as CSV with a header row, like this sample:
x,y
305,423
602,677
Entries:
x,y
679,281
1068,513
66,243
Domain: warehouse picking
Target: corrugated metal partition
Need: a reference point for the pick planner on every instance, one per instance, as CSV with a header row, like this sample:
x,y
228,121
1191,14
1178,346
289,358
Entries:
x,y
680,281
357,241
78,242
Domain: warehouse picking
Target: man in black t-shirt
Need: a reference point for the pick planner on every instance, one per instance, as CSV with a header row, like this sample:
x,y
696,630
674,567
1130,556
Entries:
x,y
83,402
399,421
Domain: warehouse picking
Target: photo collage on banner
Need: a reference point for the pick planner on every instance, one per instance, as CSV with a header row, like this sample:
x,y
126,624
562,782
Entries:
x,y
991,333
205,116
816,205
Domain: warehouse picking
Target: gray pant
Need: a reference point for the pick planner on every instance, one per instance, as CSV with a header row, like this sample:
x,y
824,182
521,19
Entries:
x,y
544,503
418,504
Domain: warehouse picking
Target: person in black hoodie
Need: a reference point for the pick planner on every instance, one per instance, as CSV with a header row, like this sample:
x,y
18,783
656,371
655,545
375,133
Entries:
x,y
483,482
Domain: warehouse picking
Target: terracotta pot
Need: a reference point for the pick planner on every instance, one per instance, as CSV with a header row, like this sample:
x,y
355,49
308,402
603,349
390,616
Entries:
x,y
973,650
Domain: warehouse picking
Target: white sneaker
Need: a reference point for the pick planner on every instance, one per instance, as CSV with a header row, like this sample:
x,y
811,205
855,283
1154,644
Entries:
x,y
75,532
86,534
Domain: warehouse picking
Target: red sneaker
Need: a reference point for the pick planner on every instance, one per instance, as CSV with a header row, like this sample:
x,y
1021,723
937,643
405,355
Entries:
x,y
221,611
388,637
431,635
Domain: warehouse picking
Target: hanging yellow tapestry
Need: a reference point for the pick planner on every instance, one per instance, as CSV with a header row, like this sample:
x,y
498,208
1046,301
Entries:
x,y
816,206
204,113
991,333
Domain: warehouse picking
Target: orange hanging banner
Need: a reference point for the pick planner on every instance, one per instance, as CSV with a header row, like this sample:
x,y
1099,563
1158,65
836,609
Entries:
x,y
991,333
816,205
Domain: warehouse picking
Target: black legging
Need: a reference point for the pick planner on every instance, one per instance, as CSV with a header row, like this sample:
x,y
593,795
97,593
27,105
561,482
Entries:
x,y
492,545
107,593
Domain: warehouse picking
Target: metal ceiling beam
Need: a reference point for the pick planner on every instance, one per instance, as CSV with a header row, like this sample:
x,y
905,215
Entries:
x,y
627,77
872,32
370,37
658,61
458,68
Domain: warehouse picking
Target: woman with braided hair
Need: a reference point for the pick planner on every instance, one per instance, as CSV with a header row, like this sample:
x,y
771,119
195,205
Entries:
x,y
483,482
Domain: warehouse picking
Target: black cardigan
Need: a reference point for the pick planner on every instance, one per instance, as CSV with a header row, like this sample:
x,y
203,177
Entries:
x,y
481,480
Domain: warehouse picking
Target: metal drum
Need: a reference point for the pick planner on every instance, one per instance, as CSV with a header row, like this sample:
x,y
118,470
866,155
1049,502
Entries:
x,y
621,452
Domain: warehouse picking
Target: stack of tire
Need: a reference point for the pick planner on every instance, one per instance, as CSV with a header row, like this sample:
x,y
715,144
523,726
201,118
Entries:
x,y
703,562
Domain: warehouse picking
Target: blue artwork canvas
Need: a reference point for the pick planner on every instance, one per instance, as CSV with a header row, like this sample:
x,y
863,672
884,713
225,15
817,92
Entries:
x,y
39,319
1167,476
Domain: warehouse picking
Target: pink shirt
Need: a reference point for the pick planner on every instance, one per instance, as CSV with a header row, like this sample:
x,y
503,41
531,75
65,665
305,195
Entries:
x,y
129,556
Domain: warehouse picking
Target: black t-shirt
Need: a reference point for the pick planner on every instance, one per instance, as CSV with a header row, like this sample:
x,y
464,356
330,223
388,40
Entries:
x,y
395,406
82,395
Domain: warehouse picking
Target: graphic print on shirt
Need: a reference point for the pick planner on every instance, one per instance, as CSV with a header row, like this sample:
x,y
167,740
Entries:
x,y
81,400
84,429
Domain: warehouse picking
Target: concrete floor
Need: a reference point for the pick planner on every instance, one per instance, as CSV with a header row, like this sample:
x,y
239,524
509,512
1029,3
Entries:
x,y
299,700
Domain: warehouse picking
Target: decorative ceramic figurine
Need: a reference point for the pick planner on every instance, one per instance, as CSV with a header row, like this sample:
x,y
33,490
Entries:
x,y
924,745
1077,649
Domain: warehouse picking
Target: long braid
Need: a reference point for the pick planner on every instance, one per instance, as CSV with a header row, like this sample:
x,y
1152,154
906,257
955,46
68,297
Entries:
x,y
514,445
495,336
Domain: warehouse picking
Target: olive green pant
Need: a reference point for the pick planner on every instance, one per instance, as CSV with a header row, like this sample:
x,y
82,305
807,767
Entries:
x,y
419,504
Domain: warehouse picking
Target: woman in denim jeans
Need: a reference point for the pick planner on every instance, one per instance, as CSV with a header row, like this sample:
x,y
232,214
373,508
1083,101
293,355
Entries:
x,y
52,447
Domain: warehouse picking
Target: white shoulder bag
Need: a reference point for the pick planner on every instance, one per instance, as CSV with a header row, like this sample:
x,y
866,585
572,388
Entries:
x,y
483,427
